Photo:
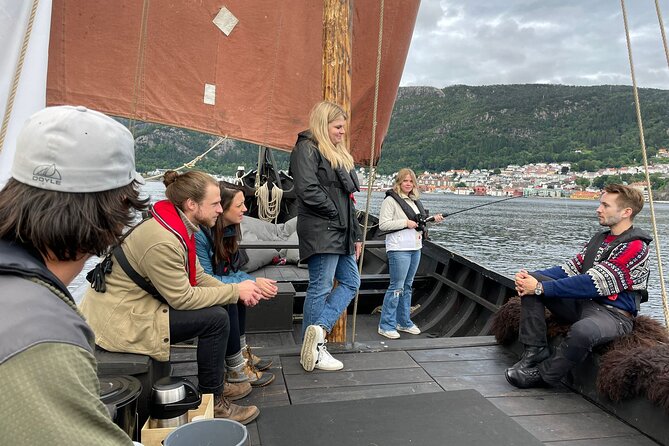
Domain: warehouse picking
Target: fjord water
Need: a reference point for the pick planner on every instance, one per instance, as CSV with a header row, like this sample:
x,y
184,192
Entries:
x,y
530,233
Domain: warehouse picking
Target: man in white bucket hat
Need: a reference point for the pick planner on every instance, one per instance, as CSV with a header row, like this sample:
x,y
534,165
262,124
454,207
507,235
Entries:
x,y
73,190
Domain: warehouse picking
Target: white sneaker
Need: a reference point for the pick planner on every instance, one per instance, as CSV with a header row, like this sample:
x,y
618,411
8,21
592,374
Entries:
x,y
326,361
390,334
412,330
314,337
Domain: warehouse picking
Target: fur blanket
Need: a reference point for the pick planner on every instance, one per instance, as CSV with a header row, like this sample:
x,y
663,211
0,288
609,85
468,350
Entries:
x,y
634,365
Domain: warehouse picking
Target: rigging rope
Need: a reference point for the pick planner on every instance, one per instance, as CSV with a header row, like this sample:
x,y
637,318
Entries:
x,y
269,208
645,159
664,37
17,74
191,163
372,169
139,68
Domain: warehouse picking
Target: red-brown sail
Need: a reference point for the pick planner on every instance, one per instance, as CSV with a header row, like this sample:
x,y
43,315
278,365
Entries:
x,y
153,61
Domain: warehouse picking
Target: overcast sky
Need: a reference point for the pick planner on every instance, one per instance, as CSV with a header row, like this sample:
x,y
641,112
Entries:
x,y
571,42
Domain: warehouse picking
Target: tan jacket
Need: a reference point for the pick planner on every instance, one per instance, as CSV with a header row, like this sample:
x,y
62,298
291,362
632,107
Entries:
x,y
126,318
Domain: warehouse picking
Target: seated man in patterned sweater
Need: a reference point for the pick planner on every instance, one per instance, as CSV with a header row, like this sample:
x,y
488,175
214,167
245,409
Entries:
x,y
598,292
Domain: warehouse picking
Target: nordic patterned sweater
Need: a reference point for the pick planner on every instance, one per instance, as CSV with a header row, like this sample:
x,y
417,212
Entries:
x,y
610,280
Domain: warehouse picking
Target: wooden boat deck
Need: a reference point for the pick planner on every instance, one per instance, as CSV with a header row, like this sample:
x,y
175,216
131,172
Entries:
x,y
376,367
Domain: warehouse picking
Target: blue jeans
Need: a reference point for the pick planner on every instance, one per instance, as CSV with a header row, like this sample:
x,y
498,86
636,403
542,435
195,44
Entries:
x,y
323,305
396,308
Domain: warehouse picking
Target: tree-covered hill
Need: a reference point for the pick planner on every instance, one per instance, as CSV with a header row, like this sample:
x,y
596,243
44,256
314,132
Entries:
x,y
470,127
493,126
163,147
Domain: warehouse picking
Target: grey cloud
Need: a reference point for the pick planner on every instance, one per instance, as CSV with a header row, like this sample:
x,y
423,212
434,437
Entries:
x,y
522,41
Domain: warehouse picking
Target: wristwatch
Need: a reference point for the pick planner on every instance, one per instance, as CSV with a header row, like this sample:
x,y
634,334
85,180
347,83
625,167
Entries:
x,y
539,289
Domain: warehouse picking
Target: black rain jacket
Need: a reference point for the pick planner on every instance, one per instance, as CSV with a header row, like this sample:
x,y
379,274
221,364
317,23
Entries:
x,y
326,218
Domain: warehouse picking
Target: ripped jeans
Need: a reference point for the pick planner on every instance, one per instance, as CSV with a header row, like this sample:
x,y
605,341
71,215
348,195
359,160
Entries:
x,y
396,310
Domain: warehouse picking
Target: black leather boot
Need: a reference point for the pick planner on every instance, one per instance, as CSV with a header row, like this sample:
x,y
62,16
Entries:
x,y
525,378
532,356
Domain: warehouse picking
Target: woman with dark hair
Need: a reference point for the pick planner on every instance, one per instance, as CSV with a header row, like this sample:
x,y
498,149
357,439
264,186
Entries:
x,y
217,250
328,231
400,213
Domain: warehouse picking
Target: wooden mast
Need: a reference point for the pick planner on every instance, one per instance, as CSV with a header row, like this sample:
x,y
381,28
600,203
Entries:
x,y
337,83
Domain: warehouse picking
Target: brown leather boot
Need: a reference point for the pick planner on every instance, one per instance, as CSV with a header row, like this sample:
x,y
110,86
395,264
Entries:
x,y
257,378
223,408
259,363
236,391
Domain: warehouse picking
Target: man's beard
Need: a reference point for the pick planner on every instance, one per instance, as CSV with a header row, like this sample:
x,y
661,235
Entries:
x,y
611,221
201,220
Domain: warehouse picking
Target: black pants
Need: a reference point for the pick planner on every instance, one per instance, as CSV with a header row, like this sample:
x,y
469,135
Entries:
x,y
211,326
237,313
592,324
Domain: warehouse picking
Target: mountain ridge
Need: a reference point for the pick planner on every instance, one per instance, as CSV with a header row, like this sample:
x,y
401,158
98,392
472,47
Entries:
x,y
469,127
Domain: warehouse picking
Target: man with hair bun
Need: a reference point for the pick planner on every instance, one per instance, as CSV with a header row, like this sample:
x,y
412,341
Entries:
x,y
73,190
598,292
171,299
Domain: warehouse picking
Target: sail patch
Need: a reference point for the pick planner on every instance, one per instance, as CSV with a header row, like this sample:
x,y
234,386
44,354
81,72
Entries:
x,y
210,94
225,21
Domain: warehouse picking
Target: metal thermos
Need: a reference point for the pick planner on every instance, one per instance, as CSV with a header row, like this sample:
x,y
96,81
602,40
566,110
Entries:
x,y
171,399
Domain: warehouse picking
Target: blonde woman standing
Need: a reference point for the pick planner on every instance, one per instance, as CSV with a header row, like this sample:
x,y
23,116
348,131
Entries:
x,y
328,231
399,216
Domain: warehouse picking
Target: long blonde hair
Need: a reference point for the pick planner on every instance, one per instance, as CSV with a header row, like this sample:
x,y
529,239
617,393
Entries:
x,y
321,116
401,175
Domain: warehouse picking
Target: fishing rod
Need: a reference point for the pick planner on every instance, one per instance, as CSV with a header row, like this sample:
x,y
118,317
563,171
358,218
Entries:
x,y
431,218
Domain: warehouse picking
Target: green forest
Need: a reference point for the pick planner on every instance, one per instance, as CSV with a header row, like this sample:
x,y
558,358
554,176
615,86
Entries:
x,y
494,126
469,127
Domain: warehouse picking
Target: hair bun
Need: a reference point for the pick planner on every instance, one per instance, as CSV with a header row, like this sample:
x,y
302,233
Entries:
x,y
170,177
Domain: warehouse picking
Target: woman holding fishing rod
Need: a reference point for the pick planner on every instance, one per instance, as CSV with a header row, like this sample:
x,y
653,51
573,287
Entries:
x,y
402,218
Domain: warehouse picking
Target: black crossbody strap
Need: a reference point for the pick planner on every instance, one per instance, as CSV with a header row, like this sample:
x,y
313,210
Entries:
x,y
135,276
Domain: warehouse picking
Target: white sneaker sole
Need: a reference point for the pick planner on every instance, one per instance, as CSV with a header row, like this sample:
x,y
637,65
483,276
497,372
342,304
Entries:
x,y
330,368
389,336
309,352
406,330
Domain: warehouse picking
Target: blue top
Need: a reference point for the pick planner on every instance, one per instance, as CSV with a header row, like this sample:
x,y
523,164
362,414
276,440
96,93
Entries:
x,y
205,252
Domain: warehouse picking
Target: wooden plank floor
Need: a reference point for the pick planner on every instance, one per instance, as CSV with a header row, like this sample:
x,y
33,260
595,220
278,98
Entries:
x,y
377,367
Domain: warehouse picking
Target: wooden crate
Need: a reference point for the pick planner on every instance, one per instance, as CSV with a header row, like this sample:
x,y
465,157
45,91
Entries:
x,y
154,437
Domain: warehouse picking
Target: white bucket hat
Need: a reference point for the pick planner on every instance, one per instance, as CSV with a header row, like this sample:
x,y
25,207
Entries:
x,y
74,149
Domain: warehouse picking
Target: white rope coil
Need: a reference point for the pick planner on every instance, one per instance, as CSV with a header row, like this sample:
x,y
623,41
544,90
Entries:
x,y
269,203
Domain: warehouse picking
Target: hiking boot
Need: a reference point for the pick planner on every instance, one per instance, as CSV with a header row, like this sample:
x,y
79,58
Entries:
x,y
236,391
259,363
414,330
257,378
532,356
314,337
525,378
326,361
236,374
223,408
390,334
